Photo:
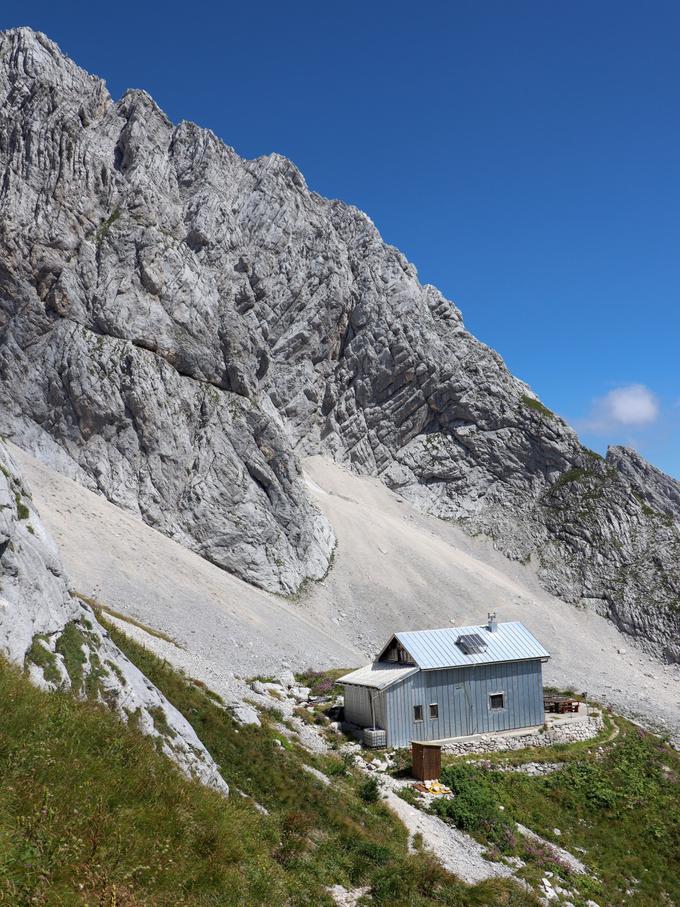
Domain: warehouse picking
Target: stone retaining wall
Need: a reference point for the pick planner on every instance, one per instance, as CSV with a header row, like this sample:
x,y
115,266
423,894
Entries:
x,y
491,743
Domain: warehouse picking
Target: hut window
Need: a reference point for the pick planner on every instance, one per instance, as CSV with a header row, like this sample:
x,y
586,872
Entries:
x,y
396,652
434,711
417,713
402,656
496,701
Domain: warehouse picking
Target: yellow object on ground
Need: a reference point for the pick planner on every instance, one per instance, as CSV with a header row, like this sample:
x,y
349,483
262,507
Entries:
x,y
437,788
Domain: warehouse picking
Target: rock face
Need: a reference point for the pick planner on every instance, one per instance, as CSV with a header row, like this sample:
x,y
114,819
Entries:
x,y
613,541
178,324
58,639
126,358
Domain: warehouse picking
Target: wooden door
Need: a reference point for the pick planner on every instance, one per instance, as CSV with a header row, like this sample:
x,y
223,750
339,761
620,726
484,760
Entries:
x,y
462,712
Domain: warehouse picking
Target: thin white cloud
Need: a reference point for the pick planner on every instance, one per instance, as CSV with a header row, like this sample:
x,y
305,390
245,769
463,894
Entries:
x,y
632,406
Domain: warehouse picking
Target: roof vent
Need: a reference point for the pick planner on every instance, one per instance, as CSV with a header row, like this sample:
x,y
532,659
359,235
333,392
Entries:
x,y
492,626
471,643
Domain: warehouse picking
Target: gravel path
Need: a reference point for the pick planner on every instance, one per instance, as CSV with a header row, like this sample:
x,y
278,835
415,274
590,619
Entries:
x,y
456,851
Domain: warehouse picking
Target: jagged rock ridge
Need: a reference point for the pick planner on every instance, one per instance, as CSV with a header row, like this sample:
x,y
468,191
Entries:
x,y
178,324
59,641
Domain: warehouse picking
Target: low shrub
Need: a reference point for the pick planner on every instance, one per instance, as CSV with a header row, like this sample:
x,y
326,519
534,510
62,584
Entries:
x,y
369,791
23,512
322,683
409,795
537,406
473,807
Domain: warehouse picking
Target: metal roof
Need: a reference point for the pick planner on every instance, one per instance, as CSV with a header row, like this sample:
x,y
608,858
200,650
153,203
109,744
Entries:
x,y
378,675
432,649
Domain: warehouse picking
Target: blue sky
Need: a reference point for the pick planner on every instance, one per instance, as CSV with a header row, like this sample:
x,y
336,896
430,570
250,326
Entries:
x,y
524,155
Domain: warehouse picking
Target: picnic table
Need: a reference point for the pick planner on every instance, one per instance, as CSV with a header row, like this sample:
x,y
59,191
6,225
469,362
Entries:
x,y
560,704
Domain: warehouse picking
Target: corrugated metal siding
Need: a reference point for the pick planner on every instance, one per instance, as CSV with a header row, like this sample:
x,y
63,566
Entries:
x,y
358,705
462,695
432,649
380,709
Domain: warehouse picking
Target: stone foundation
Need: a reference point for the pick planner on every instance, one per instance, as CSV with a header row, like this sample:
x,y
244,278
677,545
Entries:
x,y
572,732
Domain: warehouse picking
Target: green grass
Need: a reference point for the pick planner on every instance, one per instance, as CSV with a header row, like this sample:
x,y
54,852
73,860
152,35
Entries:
x,y
161,722
105,226
45,659
537,406
100,609
619,802
92,814
23,512
70,647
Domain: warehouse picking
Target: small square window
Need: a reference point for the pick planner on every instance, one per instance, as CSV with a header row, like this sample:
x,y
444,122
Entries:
x,y
496,701
417,713
434,711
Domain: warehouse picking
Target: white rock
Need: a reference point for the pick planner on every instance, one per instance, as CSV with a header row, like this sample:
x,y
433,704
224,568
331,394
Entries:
x,y
274,688
245,714
286,679
302,694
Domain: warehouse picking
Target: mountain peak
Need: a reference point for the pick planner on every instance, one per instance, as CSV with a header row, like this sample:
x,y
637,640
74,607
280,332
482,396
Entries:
x,y
31,54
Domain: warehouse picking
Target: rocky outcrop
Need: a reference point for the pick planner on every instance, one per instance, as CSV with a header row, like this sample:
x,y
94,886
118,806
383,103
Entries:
x,y
179,324
126,357
612,540
61,644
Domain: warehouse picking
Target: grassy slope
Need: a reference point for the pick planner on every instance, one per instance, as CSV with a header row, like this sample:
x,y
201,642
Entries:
x,y
622,807
91,813
617,806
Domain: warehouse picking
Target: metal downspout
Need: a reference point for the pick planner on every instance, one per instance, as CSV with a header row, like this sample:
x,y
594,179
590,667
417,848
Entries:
x,y
373,695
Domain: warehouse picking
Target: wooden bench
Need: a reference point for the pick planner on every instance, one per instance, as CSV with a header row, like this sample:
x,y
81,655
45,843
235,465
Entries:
x,y
560,704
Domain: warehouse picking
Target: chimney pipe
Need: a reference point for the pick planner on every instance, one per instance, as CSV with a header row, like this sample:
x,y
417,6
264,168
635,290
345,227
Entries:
x,y
492,625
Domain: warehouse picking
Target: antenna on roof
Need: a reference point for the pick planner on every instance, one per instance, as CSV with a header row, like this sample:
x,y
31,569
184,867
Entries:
x,y
492,625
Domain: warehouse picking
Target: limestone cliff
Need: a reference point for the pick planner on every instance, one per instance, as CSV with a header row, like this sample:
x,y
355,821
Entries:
x,y
178,325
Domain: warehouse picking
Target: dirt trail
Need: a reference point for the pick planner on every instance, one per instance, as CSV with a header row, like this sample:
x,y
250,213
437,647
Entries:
x,y
456,851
